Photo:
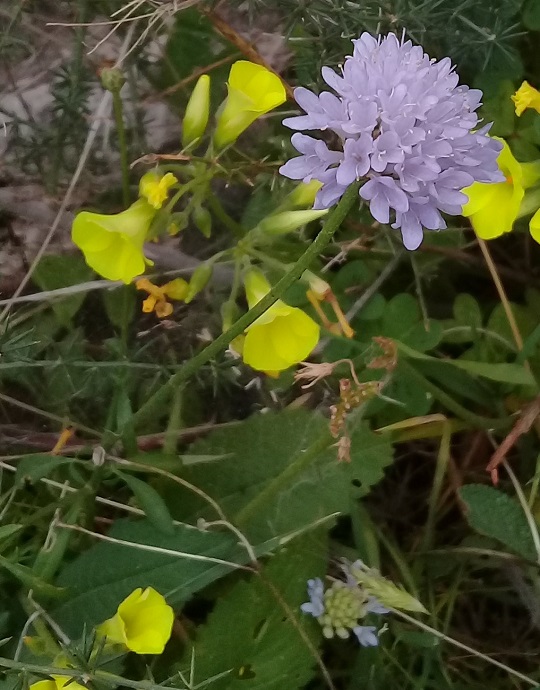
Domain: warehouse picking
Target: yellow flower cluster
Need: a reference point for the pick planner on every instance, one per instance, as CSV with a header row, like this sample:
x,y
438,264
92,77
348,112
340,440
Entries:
x,y
113,245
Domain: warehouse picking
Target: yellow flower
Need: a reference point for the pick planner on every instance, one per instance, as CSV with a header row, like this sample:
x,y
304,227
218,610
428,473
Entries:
x,y
252,91
493,207
155,187
197,112
113,244
57,683
142,623
526,97
534,226
281,337
177,289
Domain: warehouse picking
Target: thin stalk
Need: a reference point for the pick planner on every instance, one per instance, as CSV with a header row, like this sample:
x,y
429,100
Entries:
x,y
224,218
118,109
154,404
465,647
502,294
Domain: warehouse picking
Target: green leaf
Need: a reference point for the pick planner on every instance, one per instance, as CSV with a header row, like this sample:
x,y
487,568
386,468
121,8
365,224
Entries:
x,y
467,311
101,577
499,109
493,513
7,531
58,271
27,578
531,15
32,468
151,502
504,373
403,321
120,305
250,633
259,449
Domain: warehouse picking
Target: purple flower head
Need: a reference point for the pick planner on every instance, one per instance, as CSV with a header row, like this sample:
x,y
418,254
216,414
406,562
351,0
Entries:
x,y
315,605
402,123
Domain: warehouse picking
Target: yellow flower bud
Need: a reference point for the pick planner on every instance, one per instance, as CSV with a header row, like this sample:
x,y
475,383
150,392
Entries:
x,y
281,337
197,112
526,97
142,623
113,244
252,91
288,221
155,187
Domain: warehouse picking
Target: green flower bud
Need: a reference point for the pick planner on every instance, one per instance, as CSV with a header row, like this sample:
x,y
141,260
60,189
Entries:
x,y
229,314
203,220
303,195
197,112
112,79
199,280
281,223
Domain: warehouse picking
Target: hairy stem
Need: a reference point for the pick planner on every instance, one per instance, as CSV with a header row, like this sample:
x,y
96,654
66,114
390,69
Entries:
x,y
118,109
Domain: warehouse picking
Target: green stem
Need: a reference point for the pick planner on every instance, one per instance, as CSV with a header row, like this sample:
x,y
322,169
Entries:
x,y
154,404
105,677
118,109
299,463
221,214
175,423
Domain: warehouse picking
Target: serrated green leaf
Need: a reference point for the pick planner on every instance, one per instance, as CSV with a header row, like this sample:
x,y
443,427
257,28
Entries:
x,y
493,513
101,577
250,634
151,502
257,450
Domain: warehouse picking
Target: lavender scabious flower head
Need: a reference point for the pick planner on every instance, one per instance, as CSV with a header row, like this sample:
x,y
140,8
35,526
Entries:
x,y
404,125
339,608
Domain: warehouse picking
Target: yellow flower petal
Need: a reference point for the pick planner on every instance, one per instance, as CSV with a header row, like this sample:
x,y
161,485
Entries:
x,y
252,91
534,226
142,623
279,338
177,289
113,244
155,187
497,217
526,97
43,685
493,208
